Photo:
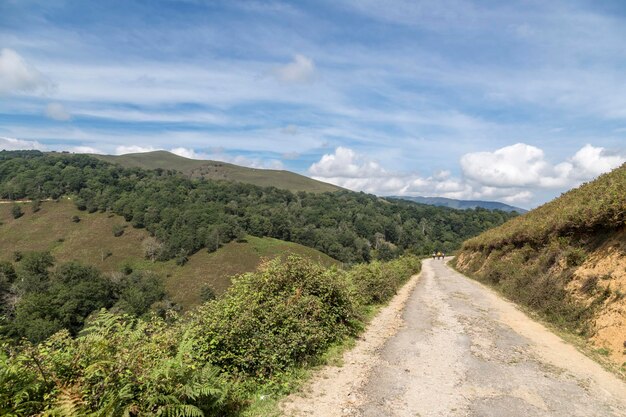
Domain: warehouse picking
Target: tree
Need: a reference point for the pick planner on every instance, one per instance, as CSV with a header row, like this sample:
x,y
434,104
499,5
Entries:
x,y
152,248
138,291
33,274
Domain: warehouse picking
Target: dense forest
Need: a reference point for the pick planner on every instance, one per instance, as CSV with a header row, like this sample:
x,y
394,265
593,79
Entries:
x,y
186,215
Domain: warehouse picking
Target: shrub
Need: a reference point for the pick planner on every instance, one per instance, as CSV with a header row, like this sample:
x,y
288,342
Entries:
x,y
284,315
207,293
377,282
575,257
118,230
75,219
17,256
16,211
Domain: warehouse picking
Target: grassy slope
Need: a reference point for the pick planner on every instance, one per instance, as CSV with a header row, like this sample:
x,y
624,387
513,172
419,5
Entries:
x,y
565,260
87,241
220,171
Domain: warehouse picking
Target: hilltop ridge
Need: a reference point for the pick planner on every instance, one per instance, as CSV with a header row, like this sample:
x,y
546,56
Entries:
x,y
217,170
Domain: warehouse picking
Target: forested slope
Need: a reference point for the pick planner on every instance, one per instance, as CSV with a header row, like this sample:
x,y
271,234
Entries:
x,y
565,260
186,215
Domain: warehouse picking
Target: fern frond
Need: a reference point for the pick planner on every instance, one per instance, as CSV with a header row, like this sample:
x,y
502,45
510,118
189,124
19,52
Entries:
x,y
180,410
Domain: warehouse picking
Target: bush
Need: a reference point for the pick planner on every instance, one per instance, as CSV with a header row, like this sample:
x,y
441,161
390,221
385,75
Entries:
x,y
377,282
118,230
207,293
16,211
282,316
575,257
75,219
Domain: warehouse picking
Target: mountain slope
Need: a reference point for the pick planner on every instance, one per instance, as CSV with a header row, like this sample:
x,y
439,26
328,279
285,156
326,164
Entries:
x,y
462,204
91,241
565,260
217,170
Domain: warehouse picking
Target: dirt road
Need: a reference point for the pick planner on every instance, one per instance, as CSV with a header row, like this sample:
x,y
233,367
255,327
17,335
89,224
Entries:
x,y
459,350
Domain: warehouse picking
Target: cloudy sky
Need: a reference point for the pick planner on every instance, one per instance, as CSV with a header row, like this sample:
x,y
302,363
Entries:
x,y
513,101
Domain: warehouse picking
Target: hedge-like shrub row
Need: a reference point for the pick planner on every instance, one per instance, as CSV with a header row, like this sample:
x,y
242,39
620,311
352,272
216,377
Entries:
x,y
271,321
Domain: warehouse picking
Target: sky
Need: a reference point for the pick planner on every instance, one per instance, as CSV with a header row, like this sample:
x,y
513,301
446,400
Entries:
x,y
512,101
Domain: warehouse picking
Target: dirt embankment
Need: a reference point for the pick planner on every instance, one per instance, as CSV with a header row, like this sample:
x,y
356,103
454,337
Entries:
x,y
604,271
592,275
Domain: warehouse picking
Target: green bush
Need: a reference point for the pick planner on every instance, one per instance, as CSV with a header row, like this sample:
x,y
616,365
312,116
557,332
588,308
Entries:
x,y
16,211
281,316
118,230
377,282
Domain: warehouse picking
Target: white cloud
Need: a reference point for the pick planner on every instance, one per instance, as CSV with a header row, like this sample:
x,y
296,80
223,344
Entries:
x,y
512,166
345,163
57,111
300,70
18,76
123,149
512,174
12,144
185,153
592,161
523,165
85,149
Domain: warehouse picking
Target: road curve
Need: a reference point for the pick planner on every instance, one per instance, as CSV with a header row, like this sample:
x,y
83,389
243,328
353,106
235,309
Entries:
x,y
464,351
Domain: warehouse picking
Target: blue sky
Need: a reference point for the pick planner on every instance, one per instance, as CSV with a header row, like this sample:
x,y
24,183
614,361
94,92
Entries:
x,y
511,101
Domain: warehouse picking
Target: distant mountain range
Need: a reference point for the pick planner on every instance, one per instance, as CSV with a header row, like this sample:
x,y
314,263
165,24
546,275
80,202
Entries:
x,y
462,204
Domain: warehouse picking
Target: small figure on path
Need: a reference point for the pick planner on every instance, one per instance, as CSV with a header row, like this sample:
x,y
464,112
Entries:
x,y
434,255
438,255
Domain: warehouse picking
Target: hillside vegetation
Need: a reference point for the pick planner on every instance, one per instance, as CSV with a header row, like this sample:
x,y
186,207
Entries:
x,y
565,260
91,241
185,215
240,350
217,170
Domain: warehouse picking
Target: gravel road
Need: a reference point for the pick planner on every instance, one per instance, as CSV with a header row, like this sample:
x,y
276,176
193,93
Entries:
x,y
461,350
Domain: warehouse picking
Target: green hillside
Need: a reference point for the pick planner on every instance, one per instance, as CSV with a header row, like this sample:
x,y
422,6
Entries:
x,y
91,241
186,215
216,170
565,260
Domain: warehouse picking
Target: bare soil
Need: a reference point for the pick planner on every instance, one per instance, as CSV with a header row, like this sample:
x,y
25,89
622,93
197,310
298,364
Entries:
x,y
458,349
